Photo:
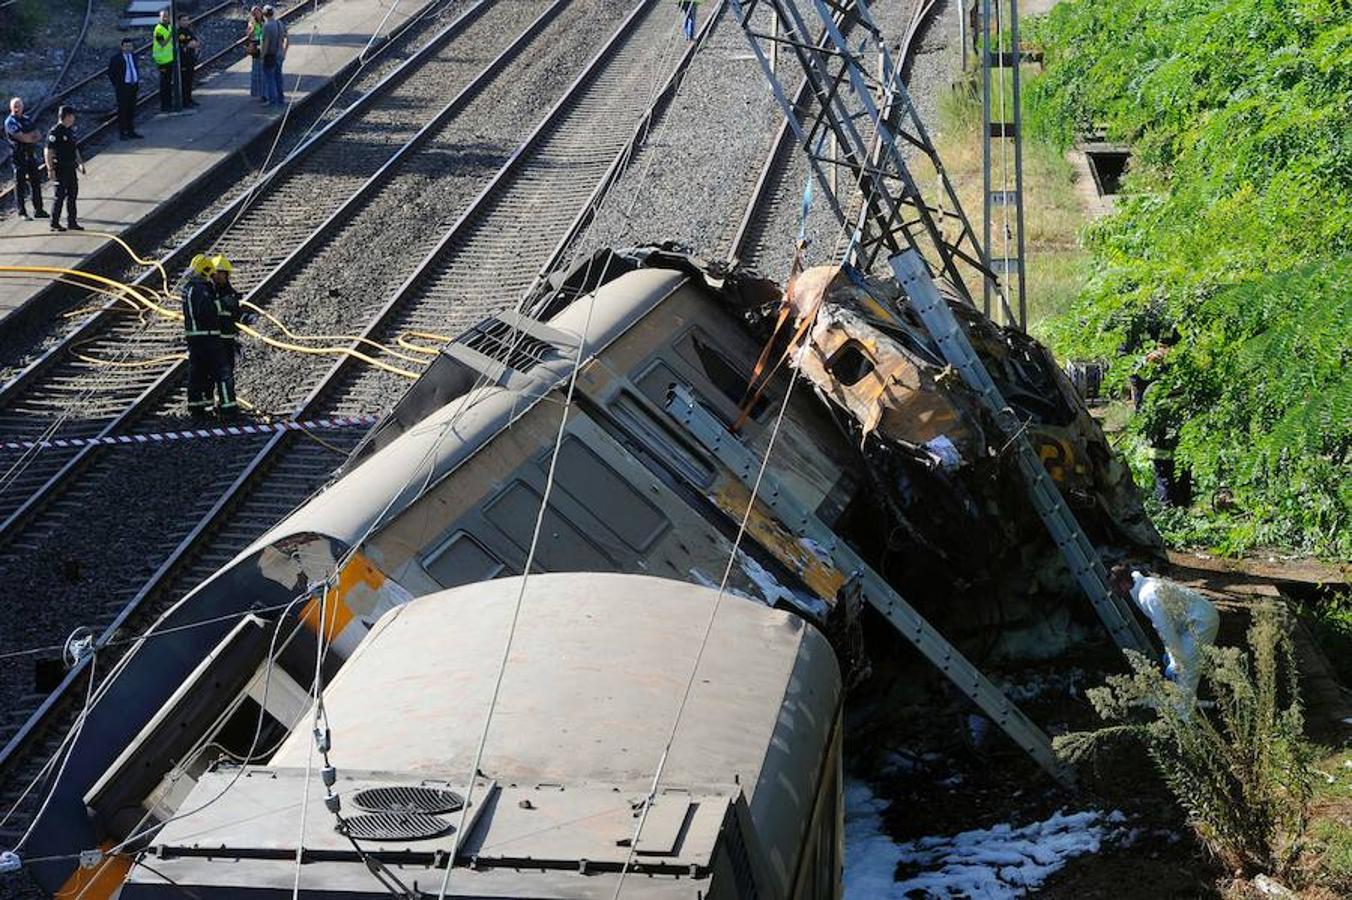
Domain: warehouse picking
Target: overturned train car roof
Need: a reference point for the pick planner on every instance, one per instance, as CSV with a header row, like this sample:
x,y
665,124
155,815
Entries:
x,y
594,683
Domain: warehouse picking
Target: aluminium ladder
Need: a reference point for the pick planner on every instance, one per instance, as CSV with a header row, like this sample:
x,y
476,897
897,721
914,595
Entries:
x,y
800,521
997,136
896,220
1080,555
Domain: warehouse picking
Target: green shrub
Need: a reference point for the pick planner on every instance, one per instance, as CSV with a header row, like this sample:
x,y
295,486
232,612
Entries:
x,y
1242,770
1236,228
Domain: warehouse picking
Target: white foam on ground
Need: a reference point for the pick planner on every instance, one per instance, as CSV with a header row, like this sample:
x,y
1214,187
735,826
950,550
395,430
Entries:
x,y
991,863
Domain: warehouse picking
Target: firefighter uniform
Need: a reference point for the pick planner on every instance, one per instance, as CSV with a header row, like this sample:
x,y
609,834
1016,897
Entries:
x,y
201,330
226,300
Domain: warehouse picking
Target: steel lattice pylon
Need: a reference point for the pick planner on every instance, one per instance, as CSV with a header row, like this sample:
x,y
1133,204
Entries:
x,y
868,117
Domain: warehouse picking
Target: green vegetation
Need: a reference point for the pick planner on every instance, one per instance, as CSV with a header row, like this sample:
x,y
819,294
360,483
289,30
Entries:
x,y
1242,771
1057,265
1330,834
1236,229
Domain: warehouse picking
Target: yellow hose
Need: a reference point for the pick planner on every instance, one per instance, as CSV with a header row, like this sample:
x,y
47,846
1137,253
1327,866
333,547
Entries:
x,y
381,348
135,293
154,263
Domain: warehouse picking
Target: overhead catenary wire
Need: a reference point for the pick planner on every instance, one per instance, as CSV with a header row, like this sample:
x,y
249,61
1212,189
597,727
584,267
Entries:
x,y
472,778
466,401
405,373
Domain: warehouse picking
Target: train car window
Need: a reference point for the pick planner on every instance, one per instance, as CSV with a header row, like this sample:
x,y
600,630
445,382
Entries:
x,y
850,364
653,431
236,735
601,490
730,380
462,560
562,546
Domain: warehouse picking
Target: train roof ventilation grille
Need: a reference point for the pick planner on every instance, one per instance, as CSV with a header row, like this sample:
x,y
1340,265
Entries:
x,y
495,338
408,799
395,826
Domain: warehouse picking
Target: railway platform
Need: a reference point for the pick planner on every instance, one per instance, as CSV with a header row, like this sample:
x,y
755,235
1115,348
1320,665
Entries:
x,y
130,180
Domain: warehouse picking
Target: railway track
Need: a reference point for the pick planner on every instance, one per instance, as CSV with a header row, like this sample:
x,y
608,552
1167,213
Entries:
x,y
221,24
553,174
769,219
64,394
480,266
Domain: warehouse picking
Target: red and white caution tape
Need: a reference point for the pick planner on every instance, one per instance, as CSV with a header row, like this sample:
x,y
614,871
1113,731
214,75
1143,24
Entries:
x,y
219,431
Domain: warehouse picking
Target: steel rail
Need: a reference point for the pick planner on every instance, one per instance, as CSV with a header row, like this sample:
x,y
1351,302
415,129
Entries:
x,y
109,313
195,544
622,160
177,257
150,599
143,99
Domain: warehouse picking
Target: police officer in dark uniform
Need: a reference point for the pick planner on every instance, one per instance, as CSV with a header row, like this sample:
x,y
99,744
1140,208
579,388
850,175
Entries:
x,y
187,57
201,330
62,155
24,137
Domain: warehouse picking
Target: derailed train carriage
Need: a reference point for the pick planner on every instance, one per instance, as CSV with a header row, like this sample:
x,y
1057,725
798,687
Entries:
x,y
409,564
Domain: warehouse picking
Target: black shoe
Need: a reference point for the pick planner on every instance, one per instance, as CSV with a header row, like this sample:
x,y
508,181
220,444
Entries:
x,y
122,136
56,227
74,227
39,213
23,214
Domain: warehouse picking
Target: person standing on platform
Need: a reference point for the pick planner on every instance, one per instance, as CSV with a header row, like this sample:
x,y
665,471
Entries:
x,y
253,46
285,45
23,137
62,155
274,50
126,79
187,56
162,52
688,9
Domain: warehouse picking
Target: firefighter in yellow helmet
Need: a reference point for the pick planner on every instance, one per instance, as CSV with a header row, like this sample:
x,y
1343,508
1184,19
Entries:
x,y
226,300
201,331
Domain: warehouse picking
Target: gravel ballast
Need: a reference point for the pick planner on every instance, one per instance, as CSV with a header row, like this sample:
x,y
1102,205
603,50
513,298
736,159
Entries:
x,y
154,496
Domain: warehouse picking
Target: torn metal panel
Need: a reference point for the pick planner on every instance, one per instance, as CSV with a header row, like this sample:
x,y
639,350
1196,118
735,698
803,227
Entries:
x,y
878,367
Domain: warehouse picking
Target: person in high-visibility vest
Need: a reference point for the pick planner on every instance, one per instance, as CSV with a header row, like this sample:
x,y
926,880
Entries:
x,y
162,52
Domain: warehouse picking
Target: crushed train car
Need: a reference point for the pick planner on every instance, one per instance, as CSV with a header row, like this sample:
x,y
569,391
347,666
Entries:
x,y
888,481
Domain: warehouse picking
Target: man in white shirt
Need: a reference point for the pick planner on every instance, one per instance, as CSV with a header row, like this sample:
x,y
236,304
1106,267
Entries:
x,y
126,79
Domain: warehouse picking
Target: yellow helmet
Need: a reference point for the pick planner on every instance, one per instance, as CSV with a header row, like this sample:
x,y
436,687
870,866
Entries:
x,y
201,264
221,264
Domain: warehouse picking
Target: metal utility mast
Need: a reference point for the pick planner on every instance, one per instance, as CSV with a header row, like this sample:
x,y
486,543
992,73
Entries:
x,y
1001,144
871,119
867,118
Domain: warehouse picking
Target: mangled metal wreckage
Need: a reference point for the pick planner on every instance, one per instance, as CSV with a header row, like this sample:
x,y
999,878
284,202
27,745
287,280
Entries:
x,y
886,481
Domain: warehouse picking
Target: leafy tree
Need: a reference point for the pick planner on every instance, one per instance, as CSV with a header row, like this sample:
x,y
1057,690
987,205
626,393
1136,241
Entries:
x,y
1235,228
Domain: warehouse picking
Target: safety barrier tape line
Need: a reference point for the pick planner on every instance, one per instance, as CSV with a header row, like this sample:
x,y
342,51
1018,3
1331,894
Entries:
x,y
195,433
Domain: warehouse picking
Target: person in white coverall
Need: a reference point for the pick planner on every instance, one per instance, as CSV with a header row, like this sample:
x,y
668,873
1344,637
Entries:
x,y
1184,619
